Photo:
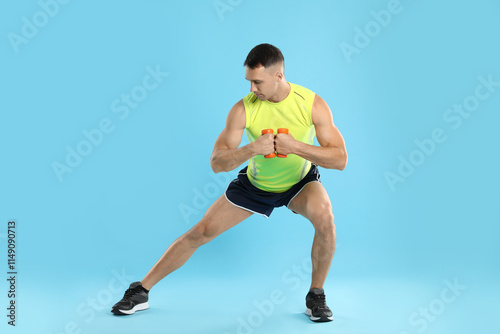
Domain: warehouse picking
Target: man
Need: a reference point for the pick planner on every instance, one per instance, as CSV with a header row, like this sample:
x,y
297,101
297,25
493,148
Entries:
x,y
267,182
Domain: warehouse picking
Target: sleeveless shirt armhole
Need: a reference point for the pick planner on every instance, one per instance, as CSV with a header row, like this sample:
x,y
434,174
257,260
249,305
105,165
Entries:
x,y
313,96
247,115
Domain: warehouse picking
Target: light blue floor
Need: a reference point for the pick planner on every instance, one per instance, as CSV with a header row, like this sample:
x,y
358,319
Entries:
x,y
239,305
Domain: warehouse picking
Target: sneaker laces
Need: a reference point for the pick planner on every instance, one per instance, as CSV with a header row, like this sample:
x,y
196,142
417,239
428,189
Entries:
x,y
320,301
130,292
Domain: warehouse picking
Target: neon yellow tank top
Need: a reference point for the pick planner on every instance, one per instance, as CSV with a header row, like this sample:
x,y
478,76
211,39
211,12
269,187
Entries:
x,y
294,113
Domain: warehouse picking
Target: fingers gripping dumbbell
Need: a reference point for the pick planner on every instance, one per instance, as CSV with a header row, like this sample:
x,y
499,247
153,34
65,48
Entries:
x,y
266,131
280,130
285,131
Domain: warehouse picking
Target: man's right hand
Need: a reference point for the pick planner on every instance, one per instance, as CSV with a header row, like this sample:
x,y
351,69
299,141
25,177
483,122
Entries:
x,y
264,145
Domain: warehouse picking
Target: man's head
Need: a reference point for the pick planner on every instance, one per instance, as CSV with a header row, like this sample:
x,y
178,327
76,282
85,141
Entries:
x,y
264,68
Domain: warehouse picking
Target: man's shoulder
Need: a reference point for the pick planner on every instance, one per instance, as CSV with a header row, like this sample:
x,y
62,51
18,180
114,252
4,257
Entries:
x,y
302,96
302,92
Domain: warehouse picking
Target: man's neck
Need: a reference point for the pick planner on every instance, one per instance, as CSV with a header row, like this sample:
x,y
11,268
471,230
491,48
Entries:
x,y
282,93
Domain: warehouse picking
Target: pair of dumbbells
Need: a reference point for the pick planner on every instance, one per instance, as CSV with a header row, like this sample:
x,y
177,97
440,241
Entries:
x,y
280,130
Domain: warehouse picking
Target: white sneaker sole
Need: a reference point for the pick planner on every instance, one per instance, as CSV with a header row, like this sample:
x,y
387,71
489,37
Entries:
x,y
138,307
309,314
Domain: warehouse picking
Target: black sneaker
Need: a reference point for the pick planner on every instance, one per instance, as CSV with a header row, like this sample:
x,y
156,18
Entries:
x,y
135,299
317,310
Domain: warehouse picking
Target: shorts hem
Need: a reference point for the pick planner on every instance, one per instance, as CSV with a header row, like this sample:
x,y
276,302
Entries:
x,y
298,192
242,207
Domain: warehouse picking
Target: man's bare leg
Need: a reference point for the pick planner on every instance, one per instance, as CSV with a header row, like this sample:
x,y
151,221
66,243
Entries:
x,y
314,204
221,216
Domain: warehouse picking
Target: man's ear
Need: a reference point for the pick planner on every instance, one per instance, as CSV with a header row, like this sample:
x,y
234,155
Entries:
x,y
279,74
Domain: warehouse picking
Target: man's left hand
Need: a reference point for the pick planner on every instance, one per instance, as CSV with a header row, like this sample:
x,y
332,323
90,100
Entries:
x,y
284,143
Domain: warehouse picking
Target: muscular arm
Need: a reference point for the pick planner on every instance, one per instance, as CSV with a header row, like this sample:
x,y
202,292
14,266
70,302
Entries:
x,y
332,152
226,155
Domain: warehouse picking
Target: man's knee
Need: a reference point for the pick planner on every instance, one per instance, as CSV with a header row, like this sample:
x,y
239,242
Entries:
x,y
324,221
200,234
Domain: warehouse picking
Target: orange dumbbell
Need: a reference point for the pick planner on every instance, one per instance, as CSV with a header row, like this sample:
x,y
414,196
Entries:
x,y
282,130
265,131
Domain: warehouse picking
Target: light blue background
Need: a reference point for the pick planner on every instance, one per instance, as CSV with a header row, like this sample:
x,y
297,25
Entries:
x,y
119,209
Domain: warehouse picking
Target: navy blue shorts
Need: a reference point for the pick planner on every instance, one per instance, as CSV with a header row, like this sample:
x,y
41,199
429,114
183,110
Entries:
x,y
245,195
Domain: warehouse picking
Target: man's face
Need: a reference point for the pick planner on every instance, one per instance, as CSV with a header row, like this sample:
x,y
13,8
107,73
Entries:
x,y
263,81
